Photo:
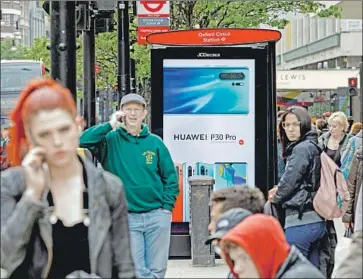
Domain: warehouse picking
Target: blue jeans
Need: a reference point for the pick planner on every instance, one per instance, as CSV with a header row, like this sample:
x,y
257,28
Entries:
x,y
306,238
150,241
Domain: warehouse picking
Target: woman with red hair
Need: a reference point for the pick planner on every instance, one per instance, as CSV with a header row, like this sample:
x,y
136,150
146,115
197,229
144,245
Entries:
x,y
60,214
257,248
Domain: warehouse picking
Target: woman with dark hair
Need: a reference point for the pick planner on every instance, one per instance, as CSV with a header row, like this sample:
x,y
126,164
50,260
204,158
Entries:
x,y
321,126
60,215
299,183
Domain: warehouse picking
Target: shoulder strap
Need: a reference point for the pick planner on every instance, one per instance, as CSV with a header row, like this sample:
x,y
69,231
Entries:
x,y
317,146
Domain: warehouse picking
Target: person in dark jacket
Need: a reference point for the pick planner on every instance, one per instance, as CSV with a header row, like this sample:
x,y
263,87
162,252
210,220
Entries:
x,y
295,191
60,214
257,248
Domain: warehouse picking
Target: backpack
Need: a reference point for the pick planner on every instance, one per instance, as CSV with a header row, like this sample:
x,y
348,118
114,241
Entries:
x,y
332,197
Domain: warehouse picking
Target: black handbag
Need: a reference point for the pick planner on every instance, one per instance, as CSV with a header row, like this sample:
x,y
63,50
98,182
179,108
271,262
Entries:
x,y
275,211
348,232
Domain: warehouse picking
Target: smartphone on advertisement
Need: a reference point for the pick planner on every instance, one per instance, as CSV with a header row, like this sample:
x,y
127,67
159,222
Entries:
x,y
205,169
189,169
229,175
178,215
206,90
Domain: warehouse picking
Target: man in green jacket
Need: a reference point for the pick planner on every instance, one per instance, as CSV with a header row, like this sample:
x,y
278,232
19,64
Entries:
x,y
126,148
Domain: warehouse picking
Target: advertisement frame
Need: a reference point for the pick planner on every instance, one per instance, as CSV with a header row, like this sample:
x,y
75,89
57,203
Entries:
x,y
265,115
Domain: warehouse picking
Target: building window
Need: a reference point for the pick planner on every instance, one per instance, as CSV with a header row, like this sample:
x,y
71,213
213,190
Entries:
x,y
306,27
342,62
313,30
6,19
322,28
332,63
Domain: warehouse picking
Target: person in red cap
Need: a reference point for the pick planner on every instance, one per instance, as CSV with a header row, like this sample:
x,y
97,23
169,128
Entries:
x,y
257,248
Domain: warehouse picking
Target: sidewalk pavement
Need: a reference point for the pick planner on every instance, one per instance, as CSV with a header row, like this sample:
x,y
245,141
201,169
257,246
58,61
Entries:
x,y
184,269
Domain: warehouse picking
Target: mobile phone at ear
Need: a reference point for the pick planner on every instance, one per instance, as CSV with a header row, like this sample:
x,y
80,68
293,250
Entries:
x,y
37,145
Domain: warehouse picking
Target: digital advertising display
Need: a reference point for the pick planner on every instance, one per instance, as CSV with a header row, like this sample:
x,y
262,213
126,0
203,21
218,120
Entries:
x,y
208,120
212,106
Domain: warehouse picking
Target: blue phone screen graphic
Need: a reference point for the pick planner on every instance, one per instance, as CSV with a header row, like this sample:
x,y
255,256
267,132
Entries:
x,y
229,175
205,169
188,171
206,90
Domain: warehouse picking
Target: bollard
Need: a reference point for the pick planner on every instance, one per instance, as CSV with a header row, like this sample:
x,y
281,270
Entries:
x,y
201,188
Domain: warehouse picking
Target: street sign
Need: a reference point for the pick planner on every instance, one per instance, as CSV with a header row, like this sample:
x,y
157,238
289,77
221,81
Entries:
x,y
153,8
153,16
153,21
215,37
144,31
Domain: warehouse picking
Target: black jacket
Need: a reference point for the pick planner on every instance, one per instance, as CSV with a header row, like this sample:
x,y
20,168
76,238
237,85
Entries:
x,y
301,179
297,266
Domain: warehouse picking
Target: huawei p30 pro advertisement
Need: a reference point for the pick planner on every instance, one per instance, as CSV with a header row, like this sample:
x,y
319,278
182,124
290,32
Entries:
x,y
209,122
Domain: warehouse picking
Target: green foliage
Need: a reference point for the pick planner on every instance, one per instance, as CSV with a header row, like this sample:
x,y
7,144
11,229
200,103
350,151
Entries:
x,y
9,51
39,51
241,14
186,15
106,58
332,11
228,14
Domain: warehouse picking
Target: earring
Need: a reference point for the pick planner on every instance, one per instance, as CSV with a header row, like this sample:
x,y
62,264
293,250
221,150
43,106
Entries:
x,y
86,221
53,219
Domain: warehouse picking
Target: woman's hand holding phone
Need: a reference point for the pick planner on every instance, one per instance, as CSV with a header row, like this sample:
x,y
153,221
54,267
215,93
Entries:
x,y
117,119
35,174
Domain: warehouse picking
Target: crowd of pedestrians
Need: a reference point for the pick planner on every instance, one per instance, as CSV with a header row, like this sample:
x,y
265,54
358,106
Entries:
x,y
64,217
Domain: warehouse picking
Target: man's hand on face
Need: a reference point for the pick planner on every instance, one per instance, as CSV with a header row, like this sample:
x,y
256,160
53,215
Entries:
x,y
117,119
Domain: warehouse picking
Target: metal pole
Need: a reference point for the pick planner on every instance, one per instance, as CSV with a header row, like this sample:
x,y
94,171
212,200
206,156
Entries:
x,y
123,49
89,86
67,45
55,40
107,103
271,121
132,76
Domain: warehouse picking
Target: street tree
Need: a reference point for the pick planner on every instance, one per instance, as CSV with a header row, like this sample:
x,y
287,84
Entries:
x,y
10,51
186,15
39,51
229,14
242,14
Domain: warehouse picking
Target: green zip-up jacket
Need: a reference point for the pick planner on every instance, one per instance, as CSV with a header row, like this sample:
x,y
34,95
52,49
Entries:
x,y
142,162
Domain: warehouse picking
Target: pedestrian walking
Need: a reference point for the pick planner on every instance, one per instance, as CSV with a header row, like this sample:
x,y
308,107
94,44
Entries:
x,y
60,215
127,148
304,228
257,248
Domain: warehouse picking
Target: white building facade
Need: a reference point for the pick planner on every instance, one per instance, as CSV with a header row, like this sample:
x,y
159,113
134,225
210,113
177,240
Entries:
x,y
22,21
320,47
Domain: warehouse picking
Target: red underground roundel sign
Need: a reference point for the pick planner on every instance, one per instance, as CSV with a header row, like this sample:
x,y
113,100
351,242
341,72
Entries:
x,y
153,6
